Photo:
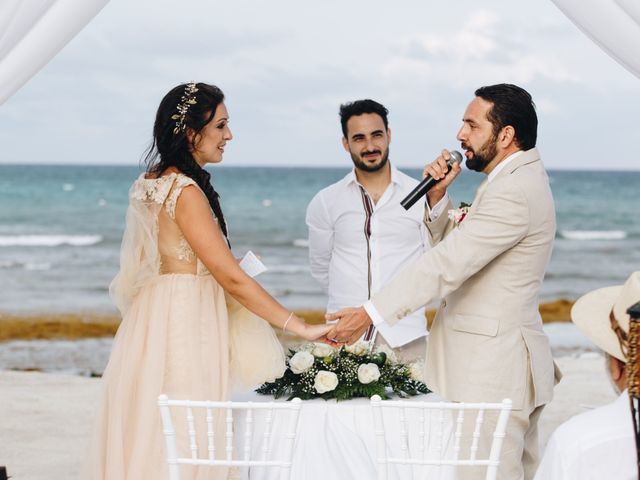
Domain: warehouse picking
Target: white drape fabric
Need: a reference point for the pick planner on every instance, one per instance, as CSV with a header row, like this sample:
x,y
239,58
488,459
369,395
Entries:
x,y
32,32
612,24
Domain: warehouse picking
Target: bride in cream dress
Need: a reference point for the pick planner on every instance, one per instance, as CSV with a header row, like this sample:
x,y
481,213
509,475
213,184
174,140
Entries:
x,y
191,318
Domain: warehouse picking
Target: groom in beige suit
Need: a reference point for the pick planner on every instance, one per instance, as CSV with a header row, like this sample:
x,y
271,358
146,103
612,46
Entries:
x,y
487,341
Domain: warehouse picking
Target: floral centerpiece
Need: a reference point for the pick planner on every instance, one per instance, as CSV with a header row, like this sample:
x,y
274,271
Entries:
x,y
317,370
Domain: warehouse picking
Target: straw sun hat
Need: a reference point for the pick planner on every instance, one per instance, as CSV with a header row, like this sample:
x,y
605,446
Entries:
x,y
591,313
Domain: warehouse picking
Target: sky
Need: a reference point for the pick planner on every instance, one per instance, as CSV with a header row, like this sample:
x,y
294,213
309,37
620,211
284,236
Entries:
x,y
286,65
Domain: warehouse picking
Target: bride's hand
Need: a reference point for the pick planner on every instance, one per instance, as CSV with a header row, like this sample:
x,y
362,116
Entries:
x,y
317,332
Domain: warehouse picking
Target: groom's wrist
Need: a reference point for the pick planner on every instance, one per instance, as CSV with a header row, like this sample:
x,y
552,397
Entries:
x,y
374,315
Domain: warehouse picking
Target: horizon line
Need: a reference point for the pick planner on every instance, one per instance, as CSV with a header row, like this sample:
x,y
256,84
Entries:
x,y
316,167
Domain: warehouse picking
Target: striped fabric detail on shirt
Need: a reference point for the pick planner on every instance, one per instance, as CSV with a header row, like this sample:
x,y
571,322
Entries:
x,y
368,210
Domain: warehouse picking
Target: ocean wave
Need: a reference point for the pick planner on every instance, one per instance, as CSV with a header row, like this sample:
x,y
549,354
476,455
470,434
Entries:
x,y
8,264
49,240
593,234
301,243
33,266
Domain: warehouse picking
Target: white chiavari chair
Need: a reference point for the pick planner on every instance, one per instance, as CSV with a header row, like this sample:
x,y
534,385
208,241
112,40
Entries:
x,y
201,419
431,434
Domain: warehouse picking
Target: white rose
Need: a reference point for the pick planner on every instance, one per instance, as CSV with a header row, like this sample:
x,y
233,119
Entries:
x,y
416,371
307,347
391,355
322,350
325,381
301,362
359,348
368,372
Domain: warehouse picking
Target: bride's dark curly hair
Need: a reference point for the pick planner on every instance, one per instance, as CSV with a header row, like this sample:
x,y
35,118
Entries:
x,y
171,147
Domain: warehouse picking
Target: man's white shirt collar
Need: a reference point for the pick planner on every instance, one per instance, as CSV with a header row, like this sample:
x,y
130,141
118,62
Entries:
x,y
352,178
502,165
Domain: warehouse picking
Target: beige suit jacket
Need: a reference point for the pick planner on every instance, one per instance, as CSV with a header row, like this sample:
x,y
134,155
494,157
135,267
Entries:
x,y
486,341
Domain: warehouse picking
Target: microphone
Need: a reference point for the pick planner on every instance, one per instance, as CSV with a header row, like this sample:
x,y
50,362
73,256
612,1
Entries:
x,y
427,182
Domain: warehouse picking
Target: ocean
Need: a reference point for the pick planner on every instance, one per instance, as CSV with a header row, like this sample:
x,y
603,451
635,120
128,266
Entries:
x,y
60,231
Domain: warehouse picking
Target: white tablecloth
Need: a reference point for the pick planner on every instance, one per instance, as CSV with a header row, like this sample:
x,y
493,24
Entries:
x,y
336,440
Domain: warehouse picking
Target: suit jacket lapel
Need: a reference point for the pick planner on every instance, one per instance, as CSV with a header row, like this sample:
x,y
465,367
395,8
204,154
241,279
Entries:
x,y
481,188
529,156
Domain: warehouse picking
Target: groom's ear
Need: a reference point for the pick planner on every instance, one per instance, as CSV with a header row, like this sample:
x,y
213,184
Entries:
x,y
507,136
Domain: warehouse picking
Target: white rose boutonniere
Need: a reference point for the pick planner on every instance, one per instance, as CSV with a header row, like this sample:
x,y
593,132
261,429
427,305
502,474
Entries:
x,y
458,214
301,362
368,372
325,381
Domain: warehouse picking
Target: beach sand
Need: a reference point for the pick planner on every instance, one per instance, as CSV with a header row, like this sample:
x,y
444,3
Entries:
x,y
45,419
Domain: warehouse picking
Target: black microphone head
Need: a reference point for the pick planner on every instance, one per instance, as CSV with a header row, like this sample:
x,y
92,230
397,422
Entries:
x,y
456,157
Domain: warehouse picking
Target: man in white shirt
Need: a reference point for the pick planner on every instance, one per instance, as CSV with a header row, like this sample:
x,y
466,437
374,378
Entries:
x,y
600,443
359,235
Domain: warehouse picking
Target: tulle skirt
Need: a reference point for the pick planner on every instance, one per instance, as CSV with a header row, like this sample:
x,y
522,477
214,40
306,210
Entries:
x,y
175,340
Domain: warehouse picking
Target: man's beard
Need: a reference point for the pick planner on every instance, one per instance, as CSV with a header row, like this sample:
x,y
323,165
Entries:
x,y
483,157
365,167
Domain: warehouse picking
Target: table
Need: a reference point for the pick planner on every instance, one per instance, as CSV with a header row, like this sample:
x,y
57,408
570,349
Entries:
x,y
336,440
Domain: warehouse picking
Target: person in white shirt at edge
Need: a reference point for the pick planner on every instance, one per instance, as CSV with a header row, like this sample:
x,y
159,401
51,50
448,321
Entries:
x,y
486,342
599,444
359,234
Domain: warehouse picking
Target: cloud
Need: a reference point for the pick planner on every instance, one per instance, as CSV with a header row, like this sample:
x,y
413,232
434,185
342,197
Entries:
x,y
546,105
286,66
474,41
485,49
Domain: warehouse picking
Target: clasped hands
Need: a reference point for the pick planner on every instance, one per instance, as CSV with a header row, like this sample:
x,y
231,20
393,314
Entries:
x,y
352,323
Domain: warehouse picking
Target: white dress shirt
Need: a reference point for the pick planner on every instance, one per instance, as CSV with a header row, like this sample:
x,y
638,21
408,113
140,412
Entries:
x,y
596,445
338,247
434,213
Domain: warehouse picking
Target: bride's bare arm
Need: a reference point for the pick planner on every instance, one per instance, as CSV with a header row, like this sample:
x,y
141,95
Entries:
x,y
193,216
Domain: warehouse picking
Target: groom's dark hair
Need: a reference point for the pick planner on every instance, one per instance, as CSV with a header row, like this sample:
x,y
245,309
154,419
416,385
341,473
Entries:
x,y
359,107
512,105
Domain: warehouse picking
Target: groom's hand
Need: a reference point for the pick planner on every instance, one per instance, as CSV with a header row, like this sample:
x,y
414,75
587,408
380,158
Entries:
x,y
352,323
438,171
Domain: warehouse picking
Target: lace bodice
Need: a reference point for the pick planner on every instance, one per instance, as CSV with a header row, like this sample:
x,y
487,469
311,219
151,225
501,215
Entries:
x,y
176,255
153,243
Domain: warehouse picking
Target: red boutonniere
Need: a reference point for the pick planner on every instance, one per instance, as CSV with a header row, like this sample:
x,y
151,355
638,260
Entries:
x,y
459,214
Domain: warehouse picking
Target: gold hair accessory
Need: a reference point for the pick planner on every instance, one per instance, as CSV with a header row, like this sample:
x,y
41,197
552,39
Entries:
x,y
188,99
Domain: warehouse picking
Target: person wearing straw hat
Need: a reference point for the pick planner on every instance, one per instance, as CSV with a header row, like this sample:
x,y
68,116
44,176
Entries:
x,y
600,443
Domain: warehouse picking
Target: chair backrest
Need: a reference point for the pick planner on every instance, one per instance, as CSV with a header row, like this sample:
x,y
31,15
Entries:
x,y
214,421
438,434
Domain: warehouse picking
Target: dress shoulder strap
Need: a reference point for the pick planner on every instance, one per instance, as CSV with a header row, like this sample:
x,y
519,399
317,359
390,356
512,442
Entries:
x,y
179,183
